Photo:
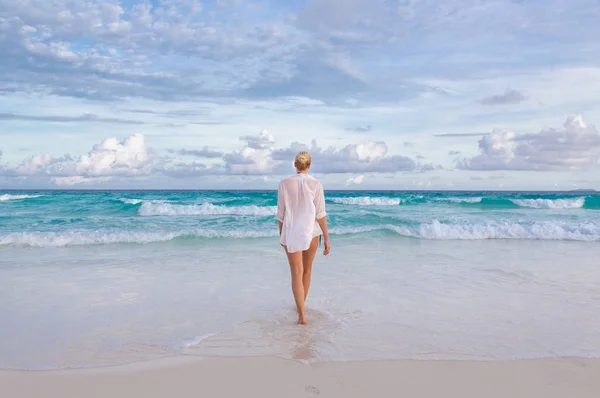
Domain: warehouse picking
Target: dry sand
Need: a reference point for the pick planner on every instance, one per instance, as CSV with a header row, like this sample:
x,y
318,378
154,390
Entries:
x,y
273,377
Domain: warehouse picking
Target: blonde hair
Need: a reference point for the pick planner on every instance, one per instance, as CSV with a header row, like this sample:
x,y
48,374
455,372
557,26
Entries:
x,y
302,161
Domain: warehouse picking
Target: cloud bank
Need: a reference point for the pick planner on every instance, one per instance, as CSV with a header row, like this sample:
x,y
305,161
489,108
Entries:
x,y
575,146
331,50
133,158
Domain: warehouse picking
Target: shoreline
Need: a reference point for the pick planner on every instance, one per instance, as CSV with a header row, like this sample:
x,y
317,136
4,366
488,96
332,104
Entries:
x,y
269,376
186,358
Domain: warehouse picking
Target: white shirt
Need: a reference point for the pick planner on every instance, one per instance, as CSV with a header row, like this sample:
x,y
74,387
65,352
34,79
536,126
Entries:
x,y
300,203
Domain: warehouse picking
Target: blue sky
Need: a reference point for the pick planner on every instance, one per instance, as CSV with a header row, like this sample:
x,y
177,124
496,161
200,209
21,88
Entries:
x,y
386,94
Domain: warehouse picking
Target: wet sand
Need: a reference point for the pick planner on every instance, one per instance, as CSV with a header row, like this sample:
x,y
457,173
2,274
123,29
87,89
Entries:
x,y
266,377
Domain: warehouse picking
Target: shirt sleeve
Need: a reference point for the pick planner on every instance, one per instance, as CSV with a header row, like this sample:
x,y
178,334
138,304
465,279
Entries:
x,y
320,202
280,203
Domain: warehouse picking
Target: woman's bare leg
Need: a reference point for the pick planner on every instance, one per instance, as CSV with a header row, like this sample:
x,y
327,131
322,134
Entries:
x,y
296,269
308,257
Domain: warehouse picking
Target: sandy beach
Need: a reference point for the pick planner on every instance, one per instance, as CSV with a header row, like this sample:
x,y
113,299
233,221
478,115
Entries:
x,y
273,377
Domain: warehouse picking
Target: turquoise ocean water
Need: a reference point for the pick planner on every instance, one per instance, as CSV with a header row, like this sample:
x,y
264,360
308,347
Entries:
x,y
57,219
108,277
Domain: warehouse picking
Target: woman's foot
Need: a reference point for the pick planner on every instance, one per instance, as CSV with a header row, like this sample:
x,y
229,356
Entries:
x,y
302,320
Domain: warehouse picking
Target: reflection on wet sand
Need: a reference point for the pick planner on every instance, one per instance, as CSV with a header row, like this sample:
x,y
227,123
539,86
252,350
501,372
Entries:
x,y
277,335
304,348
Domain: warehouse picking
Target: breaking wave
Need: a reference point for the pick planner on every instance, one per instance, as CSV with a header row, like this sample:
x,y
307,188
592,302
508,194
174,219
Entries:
x,y
545,230
205,209
7,197
572,203
592,202
433,230
368,201
133,201
461,200
83,238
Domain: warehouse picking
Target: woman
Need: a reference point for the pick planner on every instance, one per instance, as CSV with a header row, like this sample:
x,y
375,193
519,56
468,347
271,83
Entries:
x,y
302,221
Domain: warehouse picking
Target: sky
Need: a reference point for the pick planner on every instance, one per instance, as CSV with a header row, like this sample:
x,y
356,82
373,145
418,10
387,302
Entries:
x,y
384,94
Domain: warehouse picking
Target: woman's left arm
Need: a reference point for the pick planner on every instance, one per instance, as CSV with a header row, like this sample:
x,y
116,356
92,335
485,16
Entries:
x,y
280,207
321,216
320,203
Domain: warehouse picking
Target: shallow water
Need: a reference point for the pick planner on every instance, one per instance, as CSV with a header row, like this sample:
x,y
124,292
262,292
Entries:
x,y
68,302
371,298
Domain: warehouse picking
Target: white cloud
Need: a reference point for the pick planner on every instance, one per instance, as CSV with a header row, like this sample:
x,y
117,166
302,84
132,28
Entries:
x,y
259,156
36,164
576,146
132,158
364,157
356,180
254,157
110,158
370,151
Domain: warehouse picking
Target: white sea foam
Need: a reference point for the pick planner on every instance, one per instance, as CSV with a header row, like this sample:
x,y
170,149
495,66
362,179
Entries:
x,y
460,200
205,209
194,341
133,201
548,230
368,201
82,238
356,230
434,230
574,203
7,197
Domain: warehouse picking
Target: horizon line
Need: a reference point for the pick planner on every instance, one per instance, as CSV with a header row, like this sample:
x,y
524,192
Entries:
x,y
275,190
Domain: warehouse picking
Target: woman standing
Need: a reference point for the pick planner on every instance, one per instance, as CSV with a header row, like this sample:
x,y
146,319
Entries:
x,y
302,220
